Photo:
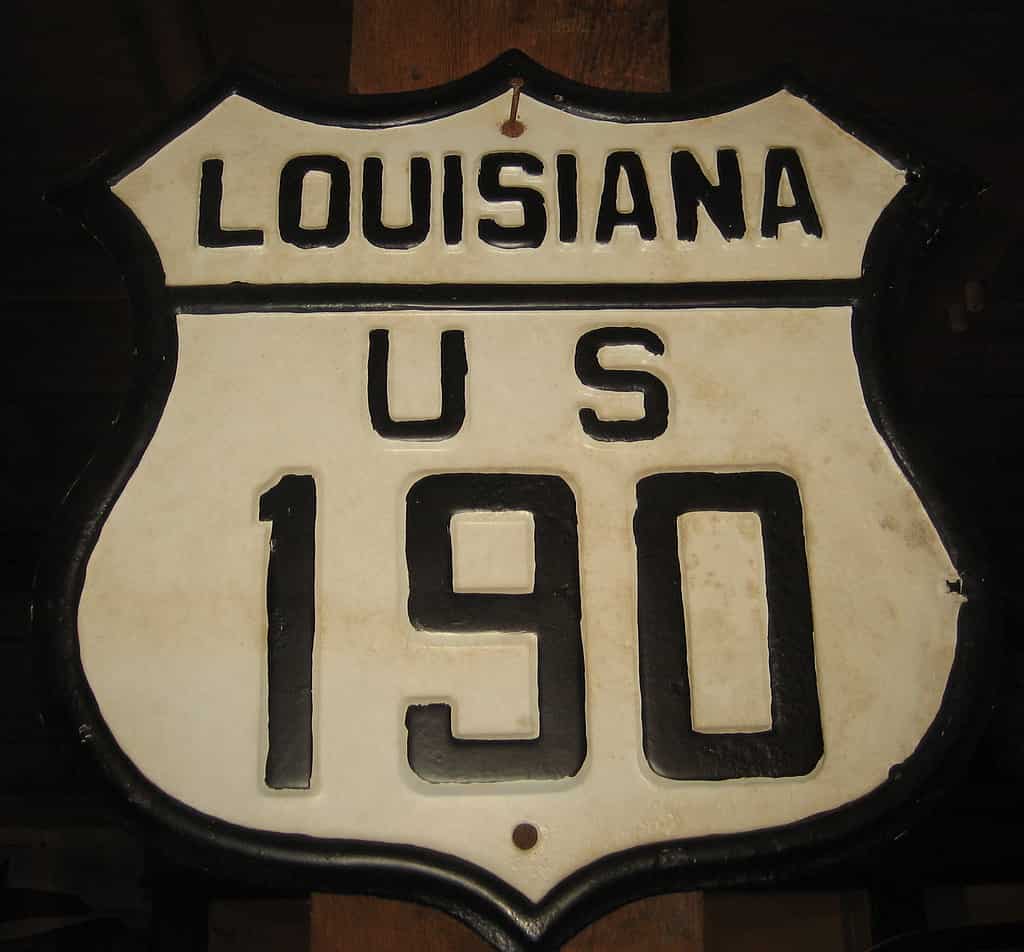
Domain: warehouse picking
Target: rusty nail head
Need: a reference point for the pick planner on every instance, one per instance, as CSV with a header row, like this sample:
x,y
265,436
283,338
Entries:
x,y
512,127
525,836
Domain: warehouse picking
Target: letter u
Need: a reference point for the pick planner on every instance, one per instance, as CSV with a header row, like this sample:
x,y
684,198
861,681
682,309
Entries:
x,y
453,391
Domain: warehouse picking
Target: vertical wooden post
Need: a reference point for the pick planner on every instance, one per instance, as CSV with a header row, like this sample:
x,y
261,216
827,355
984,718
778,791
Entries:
x,y
357,923
403,46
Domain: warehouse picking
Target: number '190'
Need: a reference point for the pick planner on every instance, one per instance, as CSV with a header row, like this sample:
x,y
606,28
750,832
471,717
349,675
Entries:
x,y
673,748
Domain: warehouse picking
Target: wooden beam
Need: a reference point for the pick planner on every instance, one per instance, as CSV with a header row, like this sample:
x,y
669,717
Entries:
x,y
356,923
403,46
672,923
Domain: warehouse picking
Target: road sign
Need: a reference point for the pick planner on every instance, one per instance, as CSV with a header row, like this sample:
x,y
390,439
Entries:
x,y
514,523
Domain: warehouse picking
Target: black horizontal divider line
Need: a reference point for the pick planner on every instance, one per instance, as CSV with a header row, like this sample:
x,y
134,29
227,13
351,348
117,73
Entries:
x,y
235,297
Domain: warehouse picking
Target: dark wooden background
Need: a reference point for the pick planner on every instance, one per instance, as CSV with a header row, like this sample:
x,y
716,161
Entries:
x,y
84,77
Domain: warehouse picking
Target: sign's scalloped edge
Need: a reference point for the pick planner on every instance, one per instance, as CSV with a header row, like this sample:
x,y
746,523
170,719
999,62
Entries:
x,y
494,909
382,110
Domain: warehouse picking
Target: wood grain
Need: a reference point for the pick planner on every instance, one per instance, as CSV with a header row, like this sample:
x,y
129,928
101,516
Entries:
x,y
360,923
399,47
672,923
256,925
621,44
304,45
796,922
403,46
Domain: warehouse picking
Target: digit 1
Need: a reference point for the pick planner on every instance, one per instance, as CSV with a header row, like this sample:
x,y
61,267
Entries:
x,y
290,508
551,610
793,746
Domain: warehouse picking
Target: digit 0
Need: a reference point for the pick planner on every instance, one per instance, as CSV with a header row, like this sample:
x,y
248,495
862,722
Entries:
x,y
793,746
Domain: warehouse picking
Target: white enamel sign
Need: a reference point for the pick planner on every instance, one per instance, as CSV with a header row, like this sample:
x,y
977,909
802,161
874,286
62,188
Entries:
x,y
475,482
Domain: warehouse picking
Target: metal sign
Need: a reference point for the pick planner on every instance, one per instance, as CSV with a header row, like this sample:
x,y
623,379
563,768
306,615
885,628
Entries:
x,y
512,523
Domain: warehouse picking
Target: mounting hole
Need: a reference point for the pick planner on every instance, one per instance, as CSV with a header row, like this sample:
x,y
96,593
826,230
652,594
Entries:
x,y
525,836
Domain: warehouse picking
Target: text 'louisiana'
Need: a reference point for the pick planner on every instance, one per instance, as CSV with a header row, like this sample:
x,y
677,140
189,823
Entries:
x,y
786,197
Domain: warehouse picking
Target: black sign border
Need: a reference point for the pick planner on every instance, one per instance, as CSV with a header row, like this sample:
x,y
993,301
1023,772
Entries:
x,y
894,257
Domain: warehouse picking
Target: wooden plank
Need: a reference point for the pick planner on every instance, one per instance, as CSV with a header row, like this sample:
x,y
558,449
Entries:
x,y
672,923
259,925
855,914
303,45
169,38
897,906
794,922
355,923
994,902
403,46
399,47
